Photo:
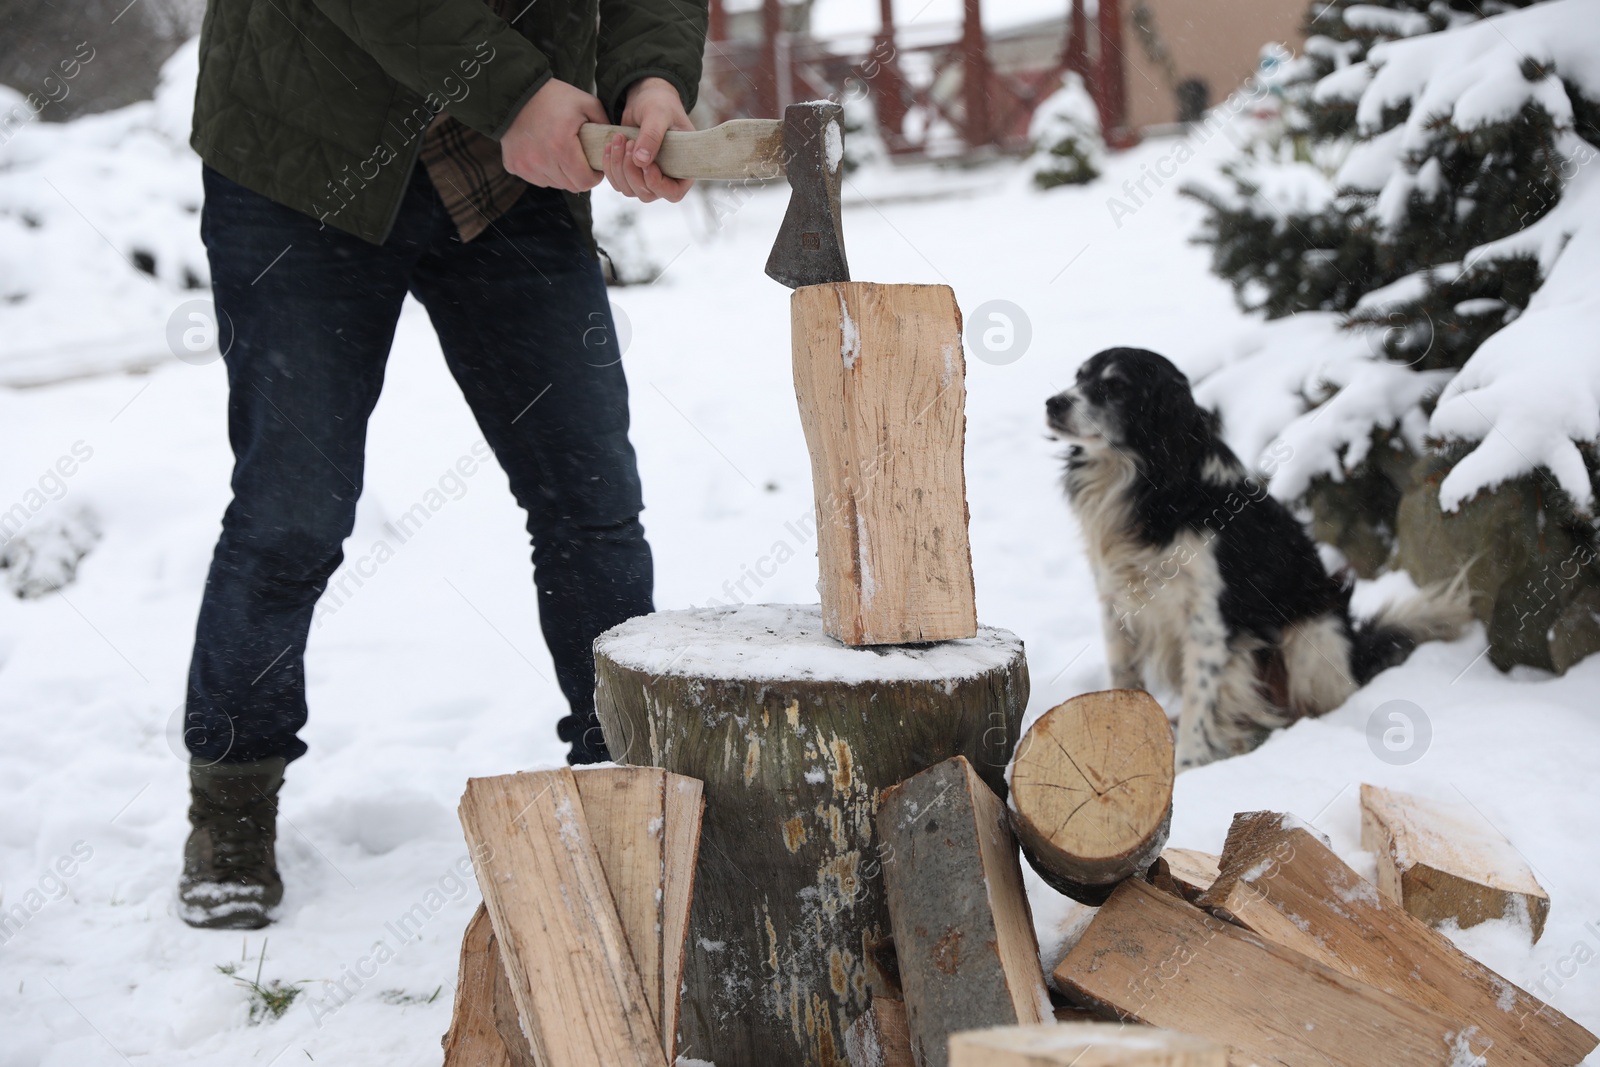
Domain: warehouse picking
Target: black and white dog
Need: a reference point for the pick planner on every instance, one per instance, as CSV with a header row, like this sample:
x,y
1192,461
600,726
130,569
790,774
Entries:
x,y
1206,581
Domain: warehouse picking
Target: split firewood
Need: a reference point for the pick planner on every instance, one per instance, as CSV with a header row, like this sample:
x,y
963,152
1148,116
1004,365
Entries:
x,y
1281,882
1150,957
1091,791
879,374
507,1023
962,929
1444,862
1191,872
473,1040
879,1038
646,827
1082,1044
565,953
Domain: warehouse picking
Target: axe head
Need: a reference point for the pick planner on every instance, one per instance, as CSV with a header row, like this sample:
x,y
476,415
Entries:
x,y
810,245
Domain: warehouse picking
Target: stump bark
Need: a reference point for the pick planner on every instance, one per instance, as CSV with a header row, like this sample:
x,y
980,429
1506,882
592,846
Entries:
x,y
795,737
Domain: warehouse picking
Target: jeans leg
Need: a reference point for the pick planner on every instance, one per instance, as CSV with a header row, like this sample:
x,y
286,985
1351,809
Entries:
x,y
312,313
525,325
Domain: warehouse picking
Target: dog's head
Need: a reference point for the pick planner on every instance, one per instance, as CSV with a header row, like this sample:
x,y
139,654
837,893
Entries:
x,y
1131,400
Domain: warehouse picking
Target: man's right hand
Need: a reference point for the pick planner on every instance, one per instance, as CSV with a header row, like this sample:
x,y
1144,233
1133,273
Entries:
x,y
542,146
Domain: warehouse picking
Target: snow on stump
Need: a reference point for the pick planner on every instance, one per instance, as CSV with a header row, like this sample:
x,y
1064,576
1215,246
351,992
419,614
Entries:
x,y
1083,1045
795,737
963,932
879,374
1091,791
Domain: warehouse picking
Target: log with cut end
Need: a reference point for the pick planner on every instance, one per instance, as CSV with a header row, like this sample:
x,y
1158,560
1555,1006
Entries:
x,y
566,956
963,932
1091,791
1443,861
1151,957
473,1040
795,736
879,375
1280,881
879,1038
1083,1044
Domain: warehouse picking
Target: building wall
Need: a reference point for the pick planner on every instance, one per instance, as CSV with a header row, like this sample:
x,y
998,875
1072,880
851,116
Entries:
x,y
1216,41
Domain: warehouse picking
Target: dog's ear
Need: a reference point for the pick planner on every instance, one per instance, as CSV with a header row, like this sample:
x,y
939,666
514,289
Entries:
x,y
1184,430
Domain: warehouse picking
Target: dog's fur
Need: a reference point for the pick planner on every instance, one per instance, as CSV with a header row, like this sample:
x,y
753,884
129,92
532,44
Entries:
x,y
1204,580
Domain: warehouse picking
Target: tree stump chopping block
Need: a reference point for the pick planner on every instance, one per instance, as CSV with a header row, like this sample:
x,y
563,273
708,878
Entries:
x,y
795,737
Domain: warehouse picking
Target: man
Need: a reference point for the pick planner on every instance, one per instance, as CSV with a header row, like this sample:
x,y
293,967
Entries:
x,y
357,150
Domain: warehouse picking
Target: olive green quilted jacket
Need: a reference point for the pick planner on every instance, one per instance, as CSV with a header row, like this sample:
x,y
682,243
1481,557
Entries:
x,y
321,104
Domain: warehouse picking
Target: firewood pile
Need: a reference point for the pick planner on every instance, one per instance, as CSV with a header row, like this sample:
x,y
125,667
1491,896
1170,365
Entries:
x,y
1274,952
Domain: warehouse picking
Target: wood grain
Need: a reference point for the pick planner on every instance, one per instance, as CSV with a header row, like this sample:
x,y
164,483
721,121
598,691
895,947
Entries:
x,y
879,374
1444,862
736,149
472,1040
963,931
1091,791
880,1038
1191,871
566,956
1083,1044
1285,885
1151,957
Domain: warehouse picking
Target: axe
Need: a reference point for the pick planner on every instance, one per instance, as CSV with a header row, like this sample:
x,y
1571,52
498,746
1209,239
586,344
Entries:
x,y
807,146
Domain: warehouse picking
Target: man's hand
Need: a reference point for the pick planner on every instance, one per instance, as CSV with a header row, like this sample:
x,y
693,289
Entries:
x,y
542,146
654,106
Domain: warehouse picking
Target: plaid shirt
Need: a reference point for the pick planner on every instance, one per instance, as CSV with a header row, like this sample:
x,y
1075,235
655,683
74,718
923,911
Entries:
x,y
466,169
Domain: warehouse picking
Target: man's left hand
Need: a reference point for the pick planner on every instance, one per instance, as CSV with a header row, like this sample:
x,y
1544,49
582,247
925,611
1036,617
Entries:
x,y
654,106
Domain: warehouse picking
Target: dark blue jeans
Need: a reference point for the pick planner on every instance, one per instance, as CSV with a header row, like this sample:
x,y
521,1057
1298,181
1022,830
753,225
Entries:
x,y
526,329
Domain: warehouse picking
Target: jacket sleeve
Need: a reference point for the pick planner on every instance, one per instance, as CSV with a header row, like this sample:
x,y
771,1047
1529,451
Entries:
x,y
458,53
649,38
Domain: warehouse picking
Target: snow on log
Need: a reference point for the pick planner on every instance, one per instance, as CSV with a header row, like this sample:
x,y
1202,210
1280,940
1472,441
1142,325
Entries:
x,y
1091,791
1082,1044
879,1038
1150,957
795,736
1282,883
472,1040
564,950
1444,862
879,373
963,932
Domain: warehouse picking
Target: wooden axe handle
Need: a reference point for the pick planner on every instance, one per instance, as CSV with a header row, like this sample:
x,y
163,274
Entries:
x,y
738,148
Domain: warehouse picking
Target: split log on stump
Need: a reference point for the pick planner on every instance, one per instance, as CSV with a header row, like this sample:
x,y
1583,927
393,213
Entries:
x,y
1445,861
1150,957
472,1040
880,376
879,1038
795,736
1091,791
963,931
1281,882
563,946
1083,1045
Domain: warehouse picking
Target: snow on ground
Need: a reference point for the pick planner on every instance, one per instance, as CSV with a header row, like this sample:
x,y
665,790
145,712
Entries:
x,y
432,670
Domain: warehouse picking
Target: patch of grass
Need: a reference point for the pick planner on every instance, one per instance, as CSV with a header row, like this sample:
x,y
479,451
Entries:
x,y
401,997
267,1001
